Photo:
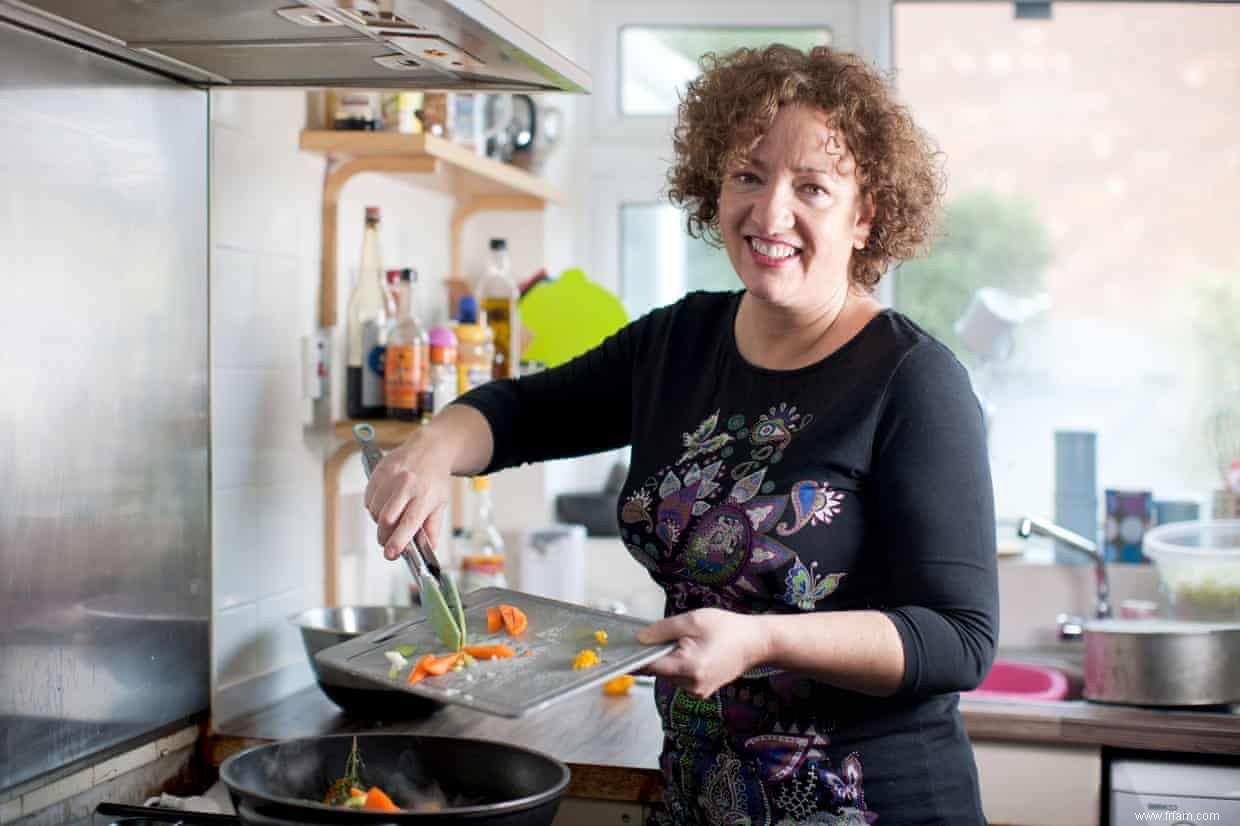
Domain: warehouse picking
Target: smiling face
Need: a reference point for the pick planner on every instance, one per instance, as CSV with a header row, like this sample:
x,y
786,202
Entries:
x,y
791,213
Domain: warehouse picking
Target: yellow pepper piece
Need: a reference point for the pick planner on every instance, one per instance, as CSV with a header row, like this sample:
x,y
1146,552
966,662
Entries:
x,y
601,636
620,685
585,659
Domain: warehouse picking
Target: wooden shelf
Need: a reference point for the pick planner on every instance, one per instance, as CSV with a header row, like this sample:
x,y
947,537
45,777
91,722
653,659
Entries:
x,y
479,184
457,169
387,431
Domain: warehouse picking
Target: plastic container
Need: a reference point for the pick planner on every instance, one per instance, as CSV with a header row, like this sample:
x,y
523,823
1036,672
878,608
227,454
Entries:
x,y
475,355
443,380
1199,565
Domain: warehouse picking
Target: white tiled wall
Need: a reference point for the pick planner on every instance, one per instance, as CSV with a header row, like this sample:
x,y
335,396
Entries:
x,y
266,487
267,464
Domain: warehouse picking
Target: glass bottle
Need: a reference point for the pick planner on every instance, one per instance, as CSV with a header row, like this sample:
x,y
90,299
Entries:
x,y
370,308
497,298
408,353
482,553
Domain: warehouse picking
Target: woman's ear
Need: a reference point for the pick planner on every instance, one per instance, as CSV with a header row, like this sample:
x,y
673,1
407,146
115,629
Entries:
x,y
865,219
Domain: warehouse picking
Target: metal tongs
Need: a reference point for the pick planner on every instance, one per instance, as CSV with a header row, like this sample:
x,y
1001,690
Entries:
x,y
441,602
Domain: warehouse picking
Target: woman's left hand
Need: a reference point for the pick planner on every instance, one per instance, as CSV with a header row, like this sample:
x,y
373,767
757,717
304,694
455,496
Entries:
x,y
716,647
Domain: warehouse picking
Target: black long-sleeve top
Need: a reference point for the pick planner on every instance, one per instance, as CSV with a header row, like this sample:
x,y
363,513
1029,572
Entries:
x,y
857,482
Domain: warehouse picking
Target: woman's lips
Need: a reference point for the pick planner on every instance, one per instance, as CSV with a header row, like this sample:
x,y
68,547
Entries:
x,y
771,261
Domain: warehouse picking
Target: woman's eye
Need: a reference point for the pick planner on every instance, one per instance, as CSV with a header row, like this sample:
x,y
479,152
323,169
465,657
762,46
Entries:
x,y
745,178
815,190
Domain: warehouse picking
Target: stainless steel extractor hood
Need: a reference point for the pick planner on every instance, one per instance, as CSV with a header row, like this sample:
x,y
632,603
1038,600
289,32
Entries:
x,y
378,44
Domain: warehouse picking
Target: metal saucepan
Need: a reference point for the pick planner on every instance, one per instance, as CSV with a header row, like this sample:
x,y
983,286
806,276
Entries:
x,y
1158,662
482,782
324,627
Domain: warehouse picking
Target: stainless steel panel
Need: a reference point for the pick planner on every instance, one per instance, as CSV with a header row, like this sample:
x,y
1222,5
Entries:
x,y
104,498
350,63
198,21
249,43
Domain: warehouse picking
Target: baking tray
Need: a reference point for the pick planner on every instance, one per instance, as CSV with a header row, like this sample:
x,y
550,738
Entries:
x,y
539,675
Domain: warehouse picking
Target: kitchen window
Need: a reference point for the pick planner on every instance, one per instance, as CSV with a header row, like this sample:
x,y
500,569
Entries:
x,y
656,62
646,51
1094,182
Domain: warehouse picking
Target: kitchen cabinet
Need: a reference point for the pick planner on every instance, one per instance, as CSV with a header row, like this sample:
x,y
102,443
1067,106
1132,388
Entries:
x,y
1036,784
477,183
577,811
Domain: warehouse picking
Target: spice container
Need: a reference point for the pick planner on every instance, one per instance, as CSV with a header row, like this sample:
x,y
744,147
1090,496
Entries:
x,y
443,381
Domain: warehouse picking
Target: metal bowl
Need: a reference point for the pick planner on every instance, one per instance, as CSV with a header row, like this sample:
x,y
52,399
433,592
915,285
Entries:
x,y
324,627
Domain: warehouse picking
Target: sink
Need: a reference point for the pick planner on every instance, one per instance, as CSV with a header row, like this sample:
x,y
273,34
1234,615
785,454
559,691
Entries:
x,y
1011,679
1052,674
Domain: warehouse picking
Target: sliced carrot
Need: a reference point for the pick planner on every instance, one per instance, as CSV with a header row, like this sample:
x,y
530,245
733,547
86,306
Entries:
x,y
354,791
442,665
498,651
377,801
515,621
419,671
619,685
494,620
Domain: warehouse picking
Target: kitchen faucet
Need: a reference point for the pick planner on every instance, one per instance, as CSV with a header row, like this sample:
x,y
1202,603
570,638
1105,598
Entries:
x,y
1102,608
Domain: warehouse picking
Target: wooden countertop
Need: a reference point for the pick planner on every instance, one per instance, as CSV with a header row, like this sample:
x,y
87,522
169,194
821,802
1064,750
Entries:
x,y
611,744
1077,722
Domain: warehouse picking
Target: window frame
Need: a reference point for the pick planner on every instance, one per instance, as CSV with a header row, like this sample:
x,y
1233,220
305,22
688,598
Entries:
x,y
628,155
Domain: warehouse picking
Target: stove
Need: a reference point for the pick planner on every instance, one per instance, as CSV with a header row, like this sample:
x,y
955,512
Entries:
x,y
116,814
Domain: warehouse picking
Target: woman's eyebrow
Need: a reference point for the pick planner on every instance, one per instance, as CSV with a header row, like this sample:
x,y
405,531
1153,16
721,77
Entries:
x,y
800,170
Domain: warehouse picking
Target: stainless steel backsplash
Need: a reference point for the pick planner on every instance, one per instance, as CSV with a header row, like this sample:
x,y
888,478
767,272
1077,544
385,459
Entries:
x,y
104,494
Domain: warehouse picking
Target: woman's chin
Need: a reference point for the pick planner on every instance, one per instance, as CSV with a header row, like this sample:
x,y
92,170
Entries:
x,y
780,289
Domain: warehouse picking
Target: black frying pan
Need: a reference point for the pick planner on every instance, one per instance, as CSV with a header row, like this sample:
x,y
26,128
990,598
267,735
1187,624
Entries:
x,y
481,782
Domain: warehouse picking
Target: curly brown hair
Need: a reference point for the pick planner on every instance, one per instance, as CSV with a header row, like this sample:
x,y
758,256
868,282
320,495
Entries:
x,y
730,106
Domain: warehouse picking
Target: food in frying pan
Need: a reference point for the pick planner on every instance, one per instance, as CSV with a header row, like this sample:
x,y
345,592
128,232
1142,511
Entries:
x,y
347,792
338,793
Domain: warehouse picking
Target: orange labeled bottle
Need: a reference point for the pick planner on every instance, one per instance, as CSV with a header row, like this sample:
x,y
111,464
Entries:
x,y
408,357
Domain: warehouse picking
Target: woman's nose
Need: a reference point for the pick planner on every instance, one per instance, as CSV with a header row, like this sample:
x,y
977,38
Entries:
x,y
772,209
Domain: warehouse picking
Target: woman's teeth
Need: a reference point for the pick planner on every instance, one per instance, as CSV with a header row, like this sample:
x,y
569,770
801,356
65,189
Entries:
x,y
772,250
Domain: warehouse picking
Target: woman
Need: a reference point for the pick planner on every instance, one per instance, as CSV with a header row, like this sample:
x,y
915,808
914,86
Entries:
x,y
809,480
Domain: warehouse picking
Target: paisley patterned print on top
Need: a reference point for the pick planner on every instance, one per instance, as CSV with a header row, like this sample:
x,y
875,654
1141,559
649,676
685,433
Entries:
x,y
709,527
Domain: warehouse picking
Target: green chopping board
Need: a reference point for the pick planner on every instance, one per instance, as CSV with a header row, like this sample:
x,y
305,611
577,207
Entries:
x,y
567,317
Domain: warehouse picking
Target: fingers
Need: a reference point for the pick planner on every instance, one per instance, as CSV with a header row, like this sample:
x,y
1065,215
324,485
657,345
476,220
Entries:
x,y
405,525
400,504
432,525
685,671
666,630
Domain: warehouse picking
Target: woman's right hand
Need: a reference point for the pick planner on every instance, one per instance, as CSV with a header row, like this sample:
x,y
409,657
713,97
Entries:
x,y
413,482
407,489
